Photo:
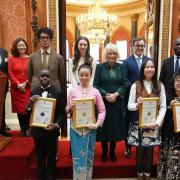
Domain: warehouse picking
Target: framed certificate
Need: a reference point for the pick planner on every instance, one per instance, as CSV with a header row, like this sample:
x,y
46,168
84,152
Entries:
x,y
43,112
176,117
148,111
83,112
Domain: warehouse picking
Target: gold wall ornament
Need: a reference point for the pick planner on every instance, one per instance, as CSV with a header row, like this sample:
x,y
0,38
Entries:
x,y
96,23
34,22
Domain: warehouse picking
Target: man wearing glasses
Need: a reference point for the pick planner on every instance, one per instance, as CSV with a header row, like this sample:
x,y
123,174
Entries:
x,y
132,69
46,58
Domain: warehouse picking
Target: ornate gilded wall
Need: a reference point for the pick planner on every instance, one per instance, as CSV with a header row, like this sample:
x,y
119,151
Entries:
x,y
13,21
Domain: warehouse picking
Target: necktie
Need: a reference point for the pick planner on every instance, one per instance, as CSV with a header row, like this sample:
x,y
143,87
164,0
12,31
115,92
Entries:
x,y
45,63
0,60
177,65
139,62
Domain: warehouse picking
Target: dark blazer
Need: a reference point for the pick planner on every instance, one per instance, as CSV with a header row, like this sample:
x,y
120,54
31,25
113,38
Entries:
x,y
131,69
4,63
55,67
53,92
166,76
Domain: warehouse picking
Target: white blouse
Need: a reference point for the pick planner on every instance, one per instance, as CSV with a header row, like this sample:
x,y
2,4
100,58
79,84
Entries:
x,y
73,76
132,103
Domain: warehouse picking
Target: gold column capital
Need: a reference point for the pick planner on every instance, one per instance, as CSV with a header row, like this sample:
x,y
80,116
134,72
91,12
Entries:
x,y
134,17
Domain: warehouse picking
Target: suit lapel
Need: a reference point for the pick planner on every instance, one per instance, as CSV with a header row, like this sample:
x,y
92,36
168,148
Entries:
x,y
38,58
51,58
171,64
134,63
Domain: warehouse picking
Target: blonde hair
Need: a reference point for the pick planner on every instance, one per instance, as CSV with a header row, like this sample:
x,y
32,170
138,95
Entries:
x,y
110,47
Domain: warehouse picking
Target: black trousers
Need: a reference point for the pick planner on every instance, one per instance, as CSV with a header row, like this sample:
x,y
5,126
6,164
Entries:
x,y
104,145
46,152
3,125
23,121
144,158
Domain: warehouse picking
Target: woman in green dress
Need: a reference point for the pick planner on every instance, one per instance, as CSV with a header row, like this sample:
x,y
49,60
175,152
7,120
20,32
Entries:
x,y
110,80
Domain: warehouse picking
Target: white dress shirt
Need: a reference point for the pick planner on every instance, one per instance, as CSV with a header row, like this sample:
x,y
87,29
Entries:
x,y
73,76
132,103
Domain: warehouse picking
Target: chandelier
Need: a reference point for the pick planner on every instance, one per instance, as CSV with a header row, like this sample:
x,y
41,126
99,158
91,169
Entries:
x,y
96,24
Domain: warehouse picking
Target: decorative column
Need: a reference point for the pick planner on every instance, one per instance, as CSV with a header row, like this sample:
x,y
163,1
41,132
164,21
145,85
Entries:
x,y
134,20
34,22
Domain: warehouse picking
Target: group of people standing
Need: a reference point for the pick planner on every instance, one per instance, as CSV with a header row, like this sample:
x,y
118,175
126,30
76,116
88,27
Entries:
x,y
123,87
118,90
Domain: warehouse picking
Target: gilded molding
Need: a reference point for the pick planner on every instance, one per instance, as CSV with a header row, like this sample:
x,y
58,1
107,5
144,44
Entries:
x,y
52,21
120,9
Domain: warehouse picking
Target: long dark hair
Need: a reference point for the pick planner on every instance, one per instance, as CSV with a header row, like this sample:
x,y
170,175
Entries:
x,y
14,49
173,91
142,76
88,58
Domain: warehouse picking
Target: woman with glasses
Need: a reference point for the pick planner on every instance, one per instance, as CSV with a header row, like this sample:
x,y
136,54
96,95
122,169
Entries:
x,y
169,154
20,86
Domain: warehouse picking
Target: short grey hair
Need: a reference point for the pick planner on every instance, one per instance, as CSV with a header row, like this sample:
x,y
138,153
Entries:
x,y
110,47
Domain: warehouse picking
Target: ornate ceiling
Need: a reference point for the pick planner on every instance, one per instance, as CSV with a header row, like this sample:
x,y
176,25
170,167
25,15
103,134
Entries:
x,y
118,7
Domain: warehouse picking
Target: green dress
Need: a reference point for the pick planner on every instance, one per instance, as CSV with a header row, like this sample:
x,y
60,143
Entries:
x,y
111,80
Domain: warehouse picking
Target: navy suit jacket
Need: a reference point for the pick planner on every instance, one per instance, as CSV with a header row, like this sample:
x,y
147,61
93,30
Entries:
x,y
131,69
166,76
4,64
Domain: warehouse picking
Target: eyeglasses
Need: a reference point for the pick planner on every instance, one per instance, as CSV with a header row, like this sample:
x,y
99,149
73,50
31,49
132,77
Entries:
x,y
45,75
44,37
19,46
139,45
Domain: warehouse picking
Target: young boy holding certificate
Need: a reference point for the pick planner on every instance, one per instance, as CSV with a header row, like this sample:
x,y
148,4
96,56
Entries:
x,y
145,138
83,139
45,137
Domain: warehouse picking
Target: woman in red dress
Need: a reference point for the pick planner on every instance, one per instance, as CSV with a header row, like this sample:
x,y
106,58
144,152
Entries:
x,y
20,87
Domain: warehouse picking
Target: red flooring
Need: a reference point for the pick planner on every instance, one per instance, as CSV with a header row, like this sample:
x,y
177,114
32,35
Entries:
x,y
17,161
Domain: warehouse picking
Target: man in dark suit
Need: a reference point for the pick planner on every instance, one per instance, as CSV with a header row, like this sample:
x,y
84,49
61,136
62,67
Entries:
x,y
4,68
170,67
132,68
45,138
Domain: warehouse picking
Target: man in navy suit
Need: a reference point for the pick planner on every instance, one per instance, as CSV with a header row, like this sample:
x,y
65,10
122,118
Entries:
x,y
4,69
132,68
170,67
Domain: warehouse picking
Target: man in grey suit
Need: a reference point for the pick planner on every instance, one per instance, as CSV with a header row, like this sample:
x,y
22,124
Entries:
x,y
132,69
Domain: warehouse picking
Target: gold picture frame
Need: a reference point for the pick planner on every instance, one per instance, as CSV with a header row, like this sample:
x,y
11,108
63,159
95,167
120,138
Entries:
x,y
176,117
83,112
43,112
148,111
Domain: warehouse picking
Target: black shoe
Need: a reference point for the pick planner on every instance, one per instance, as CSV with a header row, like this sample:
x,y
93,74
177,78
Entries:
x,y
104,157
113,157
7,128
22,134
26,133
6,134
127,153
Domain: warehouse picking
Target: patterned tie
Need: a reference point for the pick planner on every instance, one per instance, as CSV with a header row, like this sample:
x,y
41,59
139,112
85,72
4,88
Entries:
x,y
177,65
45,63
139,62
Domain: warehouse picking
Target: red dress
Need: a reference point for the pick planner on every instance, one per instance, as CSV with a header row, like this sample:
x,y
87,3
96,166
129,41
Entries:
x,y
17,72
